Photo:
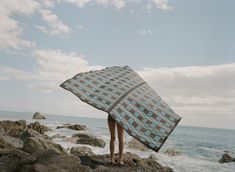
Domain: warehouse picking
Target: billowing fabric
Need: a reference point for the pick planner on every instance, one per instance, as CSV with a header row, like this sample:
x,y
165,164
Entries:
x,y
129,100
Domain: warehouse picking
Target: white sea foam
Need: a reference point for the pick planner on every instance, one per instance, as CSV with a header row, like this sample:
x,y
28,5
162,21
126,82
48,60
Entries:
x,y
184,163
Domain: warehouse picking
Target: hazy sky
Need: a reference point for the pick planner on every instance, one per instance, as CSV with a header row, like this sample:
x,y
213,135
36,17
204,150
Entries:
x,y
183,48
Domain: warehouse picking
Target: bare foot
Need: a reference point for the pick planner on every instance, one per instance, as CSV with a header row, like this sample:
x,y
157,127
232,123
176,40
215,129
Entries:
x,y
111,161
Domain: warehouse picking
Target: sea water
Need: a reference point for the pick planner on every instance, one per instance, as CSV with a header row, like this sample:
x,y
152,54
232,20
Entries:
x,y
199,148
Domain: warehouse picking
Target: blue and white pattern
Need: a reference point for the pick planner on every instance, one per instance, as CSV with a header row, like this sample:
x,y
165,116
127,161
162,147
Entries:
x,y
129,100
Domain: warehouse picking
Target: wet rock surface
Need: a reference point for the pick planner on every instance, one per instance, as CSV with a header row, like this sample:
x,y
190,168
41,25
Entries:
x,y
76,127
88,139
58,136
226,157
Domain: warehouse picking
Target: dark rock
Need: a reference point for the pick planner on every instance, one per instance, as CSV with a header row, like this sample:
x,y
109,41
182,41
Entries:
x,y
38,127
2,130
11,160
13,128
135,144
81,151
31,133
92,141
38,115
58,136
132,163
83,135
41,154
84,138
226,158
172,152
50,161
10,142
76,127
36,144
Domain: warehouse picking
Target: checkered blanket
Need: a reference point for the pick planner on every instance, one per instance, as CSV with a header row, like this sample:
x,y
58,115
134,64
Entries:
x,y
129,100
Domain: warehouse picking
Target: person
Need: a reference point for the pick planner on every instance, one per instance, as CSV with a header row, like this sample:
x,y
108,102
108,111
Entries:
x,y
112,127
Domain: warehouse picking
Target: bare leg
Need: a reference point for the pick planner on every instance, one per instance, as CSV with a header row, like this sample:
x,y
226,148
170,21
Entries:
x,y
121,142
112,126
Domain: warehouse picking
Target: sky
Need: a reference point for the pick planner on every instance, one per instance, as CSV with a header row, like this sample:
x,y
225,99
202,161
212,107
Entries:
x,y
183,48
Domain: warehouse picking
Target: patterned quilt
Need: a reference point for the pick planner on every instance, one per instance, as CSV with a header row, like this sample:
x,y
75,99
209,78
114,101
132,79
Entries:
x,y
129,100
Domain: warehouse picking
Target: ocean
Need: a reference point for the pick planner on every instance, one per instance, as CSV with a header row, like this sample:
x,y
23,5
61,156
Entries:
x,y
199,148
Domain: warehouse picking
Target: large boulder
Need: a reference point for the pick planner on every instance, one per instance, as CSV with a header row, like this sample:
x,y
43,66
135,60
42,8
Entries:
x,y
76,127
38,115
132,163
81,151
12,159
88,139
49,161
12,128
92,141
226,158
38,127
10,142
135,144
36,144
32,133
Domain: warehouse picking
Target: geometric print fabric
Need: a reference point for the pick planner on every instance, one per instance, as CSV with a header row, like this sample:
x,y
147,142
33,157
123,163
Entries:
x,y
130,101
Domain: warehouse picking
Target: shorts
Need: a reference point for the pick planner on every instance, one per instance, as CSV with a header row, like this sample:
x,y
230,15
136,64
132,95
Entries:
x,y
110,119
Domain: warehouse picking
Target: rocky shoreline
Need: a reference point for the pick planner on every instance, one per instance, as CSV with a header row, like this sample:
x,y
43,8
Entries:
x,y
26,148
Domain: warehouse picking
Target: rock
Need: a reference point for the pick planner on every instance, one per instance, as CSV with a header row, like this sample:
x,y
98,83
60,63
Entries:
x,y
31,133
92,141
12,159
152,157
40,154
84,138
13,128
38,127
71,139
10,142
2,130
132,163
81,151
226,158
83,135
38,115
58,136
135,144
172,152
76,127
36,144
44,161
50,161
